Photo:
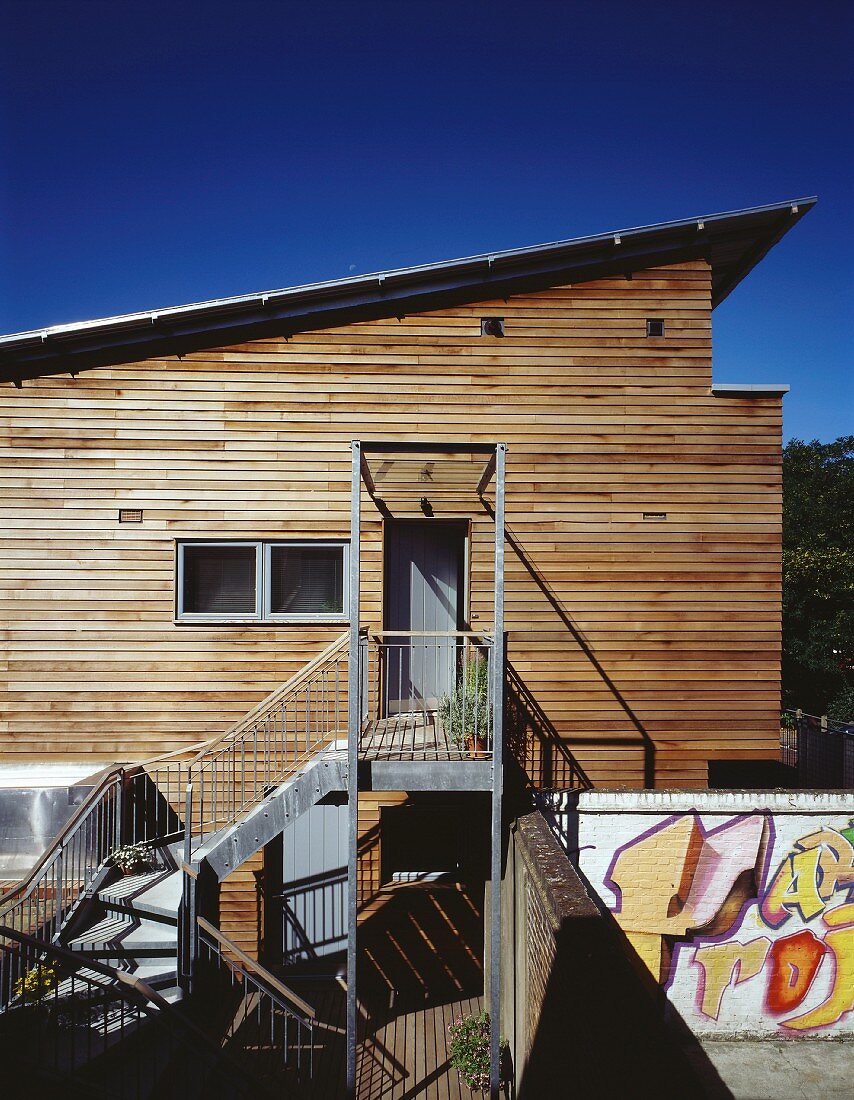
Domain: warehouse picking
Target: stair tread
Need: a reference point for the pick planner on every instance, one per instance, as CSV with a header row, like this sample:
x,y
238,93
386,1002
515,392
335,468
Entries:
x,y
153,891
126,932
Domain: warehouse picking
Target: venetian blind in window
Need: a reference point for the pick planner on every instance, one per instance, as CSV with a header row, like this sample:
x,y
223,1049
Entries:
x,y
219,580
307,580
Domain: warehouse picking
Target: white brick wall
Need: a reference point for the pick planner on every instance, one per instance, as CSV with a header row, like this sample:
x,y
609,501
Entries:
x,y
740,903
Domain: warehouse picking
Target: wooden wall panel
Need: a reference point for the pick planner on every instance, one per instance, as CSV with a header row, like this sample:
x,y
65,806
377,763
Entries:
x,y
648,646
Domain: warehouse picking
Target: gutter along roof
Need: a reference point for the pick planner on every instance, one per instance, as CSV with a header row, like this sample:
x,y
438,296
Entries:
x,y
733,243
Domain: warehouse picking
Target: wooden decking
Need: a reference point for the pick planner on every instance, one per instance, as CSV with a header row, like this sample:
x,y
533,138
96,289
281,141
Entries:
x,y
402,1056
415,735
420,967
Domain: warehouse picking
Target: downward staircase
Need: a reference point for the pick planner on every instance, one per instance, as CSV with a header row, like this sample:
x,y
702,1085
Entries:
x,y
111,973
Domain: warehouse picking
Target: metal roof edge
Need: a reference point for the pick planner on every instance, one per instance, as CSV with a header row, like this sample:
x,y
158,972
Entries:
x,y
408,289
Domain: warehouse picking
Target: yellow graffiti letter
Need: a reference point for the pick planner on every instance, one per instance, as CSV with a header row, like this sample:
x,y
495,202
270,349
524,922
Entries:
x,y
723,962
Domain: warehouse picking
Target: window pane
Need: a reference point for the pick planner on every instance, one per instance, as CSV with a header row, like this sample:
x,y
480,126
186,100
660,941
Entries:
x,y
307,580
219,580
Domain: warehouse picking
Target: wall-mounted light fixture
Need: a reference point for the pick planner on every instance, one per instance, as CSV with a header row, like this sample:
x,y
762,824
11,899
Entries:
x,y
492,326
426,507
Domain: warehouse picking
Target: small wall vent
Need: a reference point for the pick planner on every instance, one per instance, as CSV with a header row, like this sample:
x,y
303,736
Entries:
x,y
130,515
654,326
492,326
655,515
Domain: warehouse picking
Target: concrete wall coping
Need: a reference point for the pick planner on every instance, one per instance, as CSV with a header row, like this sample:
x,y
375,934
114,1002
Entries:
x,y
561,891
709,802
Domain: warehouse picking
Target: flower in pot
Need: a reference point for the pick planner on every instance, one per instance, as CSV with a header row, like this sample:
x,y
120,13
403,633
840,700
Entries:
x,y
36,984
465,712
469,1050
132,858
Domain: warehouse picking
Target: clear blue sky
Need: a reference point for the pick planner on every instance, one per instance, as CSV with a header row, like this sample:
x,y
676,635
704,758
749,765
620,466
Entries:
x,y
154,154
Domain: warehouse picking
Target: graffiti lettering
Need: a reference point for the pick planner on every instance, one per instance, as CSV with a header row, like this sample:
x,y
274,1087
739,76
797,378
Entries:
x,y
840,942
793,963
724,964
713,889
808,877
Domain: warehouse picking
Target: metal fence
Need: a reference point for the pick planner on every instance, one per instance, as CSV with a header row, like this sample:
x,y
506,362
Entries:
x,y
69,1019
821,751
265,1023
433,689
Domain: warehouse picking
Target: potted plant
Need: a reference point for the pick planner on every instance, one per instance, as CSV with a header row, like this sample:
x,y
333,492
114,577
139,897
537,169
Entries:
x,y
465,712
35,985
469,1050
132,858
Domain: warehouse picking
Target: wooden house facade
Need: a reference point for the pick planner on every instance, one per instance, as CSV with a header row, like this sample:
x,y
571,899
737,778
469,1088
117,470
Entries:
x,y
643,504
365,544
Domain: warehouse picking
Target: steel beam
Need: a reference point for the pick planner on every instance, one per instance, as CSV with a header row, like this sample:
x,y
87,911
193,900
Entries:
x,y
486,476
497,781
425,775
354,723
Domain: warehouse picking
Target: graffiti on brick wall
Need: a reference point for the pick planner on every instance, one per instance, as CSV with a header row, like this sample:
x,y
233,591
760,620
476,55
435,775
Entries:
x,y
737,920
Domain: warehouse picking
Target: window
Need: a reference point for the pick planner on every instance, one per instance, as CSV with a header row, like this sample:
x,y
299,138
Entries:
x,y
262,581
654,326
305,579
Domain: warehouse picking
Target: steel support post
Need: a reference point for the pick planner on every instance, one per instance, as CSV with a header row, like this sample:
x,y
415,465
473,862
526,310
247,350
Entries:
x,y
497,781
353,729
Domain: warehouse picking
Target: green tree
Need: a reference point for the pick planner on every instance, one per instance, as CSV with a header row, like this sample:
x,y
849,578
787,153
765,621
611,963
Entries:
x,y
818,576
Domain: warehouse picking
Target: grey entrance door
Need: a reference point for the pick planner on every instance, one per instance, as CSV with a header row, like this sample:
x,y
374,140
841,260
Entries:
x,y
423,588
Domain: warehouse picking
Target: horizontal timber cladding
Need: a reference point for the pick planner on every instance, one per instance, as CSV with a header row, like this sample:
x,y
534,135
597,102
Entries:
x,y
649,646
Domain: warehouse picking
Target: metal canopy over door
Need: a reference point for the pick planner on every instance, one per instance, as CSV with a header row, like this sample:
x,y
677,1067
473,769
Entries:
x,y
424,570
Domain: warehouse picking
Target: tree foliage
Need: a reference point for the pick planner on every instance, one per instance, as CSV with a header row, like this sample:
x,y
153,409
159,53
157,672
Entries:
x,y
818,576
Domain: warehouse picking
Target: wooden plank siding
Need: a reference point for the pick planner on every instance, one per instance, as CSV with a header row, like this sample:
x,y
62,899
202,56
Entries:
x,y
636,638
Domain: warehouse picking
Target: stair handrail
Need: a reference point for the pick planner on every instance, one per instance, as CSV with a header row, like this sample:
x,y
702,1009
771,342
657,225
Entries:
x,y
211,757
102,806
255,979
283,992
133,989
271,700
103,779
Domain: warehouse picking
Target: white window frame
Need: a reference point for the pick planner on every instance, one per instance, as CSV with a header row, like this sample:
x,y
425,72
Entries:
x,y
263,587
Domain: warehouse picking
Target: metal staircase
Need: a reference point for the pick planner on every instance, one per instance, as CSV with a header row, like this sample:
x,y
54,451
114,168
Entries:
x,y
81,944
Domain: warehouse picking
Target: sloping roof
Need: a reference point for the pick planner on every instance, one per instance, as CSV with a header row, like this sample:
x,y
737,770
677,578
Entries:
x,y
733,243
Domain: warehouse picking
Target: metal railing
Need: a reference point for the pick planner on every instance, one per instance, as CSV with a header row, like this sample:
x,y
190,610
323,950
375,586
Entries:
x,y
822,750
127,805
268,1024
237,770
426,693
542,755
69,1018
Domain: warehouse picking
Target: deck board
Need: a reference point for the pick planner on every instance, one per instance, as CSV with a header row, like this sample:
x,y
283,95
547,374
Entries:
x,y
414,735
420,967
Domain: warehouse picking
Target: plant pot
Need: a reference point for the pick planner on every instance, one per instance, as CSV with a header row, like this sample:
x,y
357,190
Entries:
x,y
476,746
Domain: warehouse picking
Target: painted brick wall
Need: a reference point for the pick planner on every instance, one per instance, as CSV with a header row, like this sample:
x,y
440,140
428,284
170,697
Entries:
x,y
740,904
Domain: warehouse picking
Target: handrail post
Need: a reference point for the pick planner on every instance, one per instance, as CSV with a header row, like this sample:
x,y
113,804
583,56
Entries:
x,y
187,941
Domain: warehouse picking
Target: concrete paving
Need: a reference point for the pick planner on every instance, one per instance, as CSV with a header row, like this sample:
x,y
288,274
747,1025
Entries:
x,y
753,1070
